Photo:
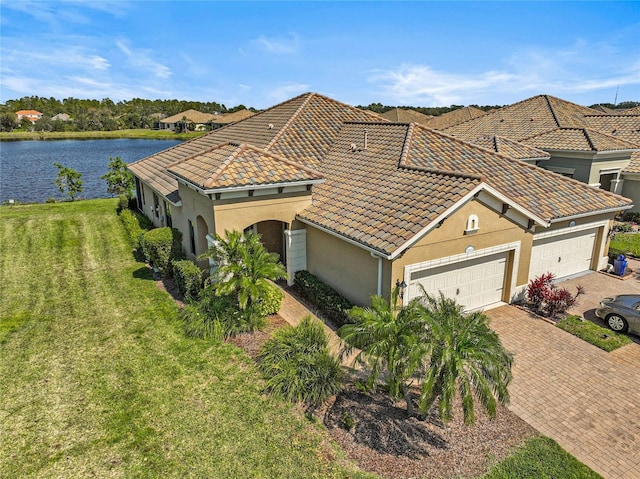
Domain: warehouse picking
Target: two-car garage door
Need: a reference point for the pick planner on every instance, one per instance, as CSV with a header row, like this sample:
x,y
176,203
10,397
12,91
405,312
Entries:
x,y
563,255
474,283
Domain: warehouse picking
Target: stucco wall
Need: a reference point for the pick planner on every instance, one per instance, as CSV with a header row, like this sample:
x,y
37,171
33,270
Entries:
x,y
450,239
582,166
350,270
631,190
606,164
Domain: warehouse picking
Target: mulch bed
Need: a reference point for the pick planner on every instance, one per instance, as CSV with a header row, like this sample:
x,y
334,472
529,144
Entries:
x,y
385,441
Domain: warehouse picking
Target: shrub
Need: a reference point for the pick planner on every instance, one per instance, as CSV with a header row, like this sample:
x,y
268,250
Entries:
x,y
631,216
131,224
219,317
188,278
546,299
123,202
161,246
331,303
50,200
270,301
297,364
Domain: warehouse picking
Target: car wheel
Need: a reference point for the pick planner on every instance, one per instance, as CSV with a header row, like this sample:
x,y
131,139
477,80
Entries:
x,y
617,323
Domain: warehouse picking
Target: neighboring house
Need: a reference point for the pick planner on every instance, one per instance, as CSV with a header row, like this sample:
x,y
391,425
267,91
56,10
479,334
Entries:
x,y
454,117
61,117
175,122
583,143
401,115
31,115
366,204
224,119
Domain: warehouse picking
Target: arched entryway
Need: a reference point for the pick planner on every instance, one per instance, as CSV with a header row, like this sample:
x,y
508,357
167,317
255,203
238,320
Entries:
x,y
202,230
272,236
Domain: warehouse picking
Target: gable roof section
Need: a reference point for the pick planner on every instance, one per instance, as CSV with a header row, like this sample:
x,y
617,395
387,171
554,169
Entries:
x,y
370,200
240,166
301,129
454,117
543,193
525,119
579,139
401,115
194,116
511,148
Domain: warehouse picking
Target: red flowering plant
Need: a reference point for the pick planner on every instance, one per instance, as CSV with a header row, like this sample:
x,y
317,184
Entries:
x,y
546,299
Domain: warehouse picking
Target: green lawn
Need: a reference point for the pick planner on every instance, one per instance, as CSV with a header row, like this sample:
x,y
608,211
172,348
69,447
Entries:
x,y
99,135
628,243
592,333
98,380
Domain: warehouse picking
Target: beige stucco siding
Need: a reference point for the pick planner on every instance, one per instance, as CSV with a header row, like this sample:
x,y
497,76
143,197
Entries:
x,y
350,270
582,166
631,190
450,239
240,213
598,165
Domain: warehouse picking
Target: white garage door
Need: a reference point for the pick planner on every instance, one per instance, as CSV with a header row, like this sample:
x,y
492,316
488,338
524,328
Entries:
x,y
475,283
563,255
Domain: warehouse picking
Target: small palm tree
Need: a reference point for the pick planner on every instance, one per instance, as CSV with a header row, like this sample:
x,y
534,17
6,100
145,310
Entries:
x,y
392,341
298,364
466,357
244,267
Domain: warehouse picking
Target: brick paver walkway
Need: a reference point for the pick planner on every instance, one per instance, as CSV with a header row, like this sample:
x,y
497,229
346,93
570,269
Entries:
x,y
586,399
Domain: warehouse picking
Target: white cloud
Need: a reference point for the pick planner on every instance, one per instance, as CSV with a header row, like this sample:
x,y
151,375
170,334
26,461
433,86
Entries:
x,y
141,58
285,91
278,46
420,84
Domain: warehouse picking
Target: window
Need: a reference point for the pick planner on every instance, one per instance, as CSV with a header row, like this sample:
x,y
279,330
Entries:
x,y
156,205
192,238
473,224
167,213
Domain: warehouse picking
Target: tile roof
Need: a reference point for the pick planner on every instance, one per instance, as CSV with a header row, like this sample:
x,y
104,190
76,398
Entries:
x,y
511,148
625,126
454,117
385,194
401,115
578,139
634,164
226,118
544,193
239,165
301,129
194,116
380,196
525,119
370,199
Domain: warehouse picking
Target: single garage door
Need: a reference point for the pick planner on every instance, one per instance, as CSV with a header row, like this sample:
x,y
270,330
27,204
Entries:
x,y
475,283
563,255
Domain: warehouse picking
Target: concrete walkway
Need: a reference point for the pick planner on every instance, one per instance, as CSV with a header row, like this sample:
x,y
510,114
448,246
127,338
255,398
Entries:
x,y
585,398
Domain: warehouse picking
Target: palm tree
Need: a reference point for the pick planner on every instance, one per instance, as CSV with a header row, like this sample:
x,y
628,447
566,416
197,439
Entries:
x,y
467,357
392,341
244,267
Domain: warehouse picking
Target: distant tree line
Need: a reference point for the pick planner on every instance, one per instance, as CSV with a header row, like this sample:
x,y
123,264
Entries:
x,y
97,115
440,110
425,110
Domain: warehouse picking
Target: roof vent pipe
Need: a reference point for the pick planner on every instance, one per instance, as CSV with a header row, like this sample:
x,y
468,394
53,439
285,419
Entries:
x,y
365,139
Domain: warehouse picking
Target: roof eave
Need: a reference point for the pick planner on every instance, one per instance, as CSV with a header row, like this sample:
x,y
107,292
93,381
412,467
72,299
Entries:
x,y
591,213
262,186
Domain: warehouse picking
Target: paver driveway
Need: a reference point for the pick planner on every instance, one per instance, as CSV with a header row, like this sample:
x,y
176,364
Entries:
x,y
585,398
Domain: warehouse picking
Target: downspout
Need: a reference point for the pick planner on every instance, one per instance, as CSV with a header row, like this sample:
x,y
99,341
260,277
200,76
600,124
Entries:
x,y
379,272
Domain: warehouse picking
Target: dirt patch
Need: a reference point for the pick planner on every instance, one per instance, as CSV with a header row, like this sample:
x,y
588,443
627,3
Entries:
x,y
252,342
386,441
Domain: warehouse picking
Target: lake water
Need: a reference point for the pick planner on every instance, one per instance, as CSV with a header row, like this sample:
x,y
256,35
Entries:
x,y
27,172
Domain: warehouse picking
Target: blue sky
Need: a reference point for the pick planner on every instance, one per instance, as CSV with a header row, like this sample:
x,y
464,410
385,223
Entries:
x,y
261,53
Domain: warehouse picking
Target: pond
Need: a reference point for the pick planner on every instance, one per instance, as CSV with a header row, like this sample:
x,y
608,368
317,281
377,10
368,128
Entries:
x,y
27,172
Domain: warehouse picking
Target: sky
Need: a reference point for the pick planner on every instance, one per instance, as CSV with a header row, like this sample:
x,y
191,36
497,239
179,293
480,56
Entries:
x,y
261,53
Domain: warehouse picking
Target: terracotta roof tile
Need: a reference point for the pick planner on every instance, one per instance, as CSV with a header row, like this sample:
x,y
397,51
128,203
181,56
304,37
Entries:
x,y
401,115
634,164
578,139
233,165
192,115
454,117
511,148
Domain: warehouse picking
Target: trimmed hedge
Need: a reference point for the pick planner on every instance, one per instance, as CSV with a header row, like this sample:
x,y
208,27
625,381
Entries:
x,y
188,278
332,304
161,246
135,224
